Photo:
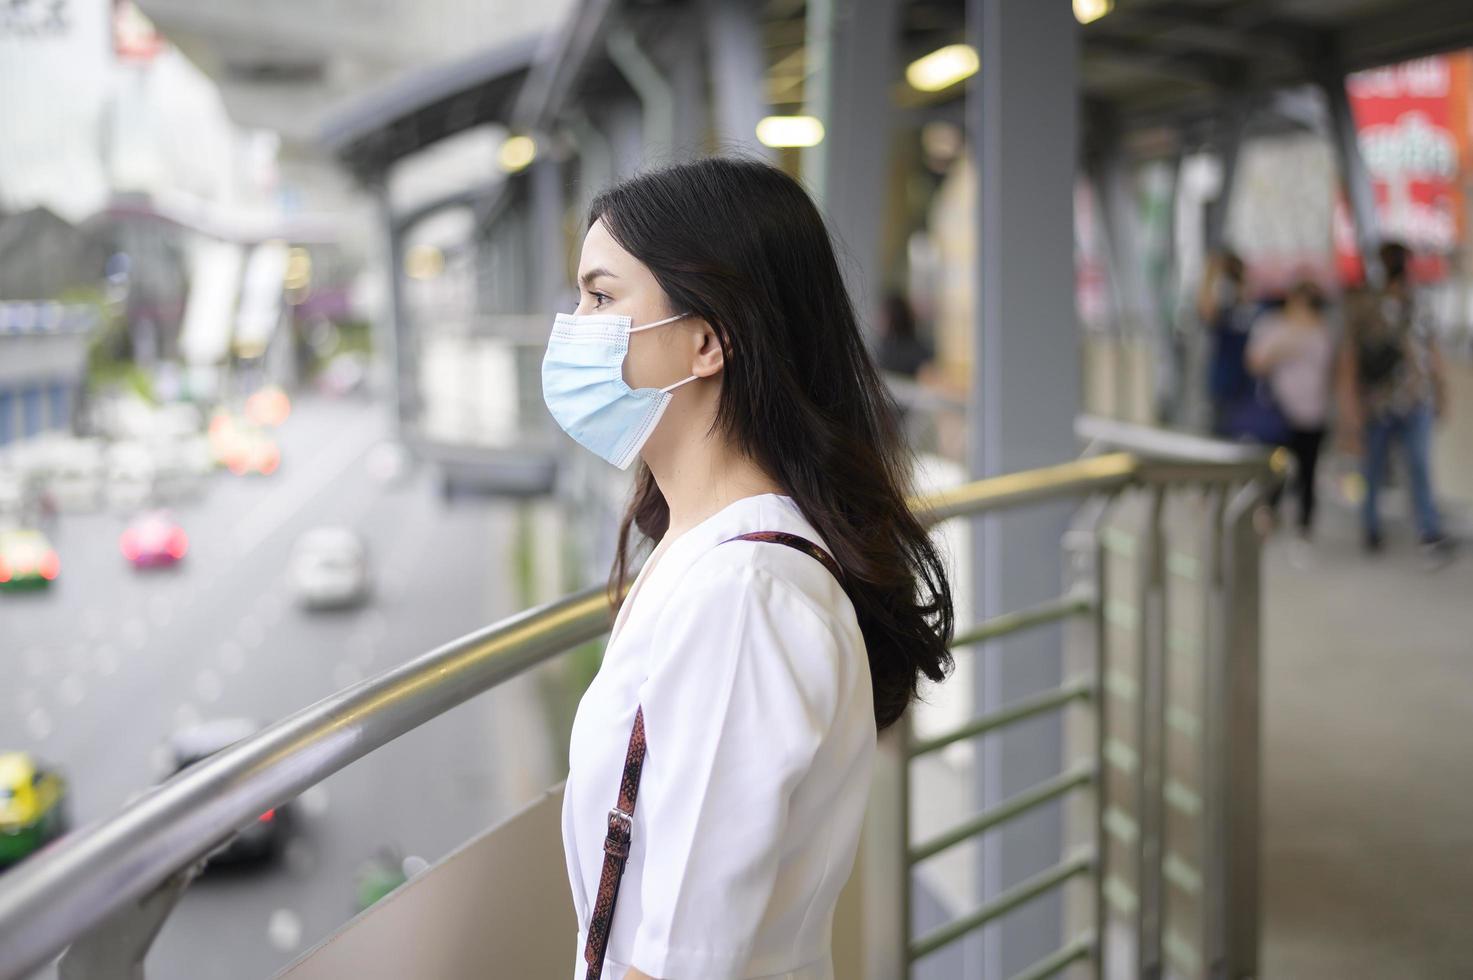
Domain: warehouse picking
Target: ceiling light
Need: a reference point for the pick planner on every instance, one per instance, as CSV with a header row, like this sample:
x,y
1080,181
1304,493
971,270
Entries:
x,y
790,131
942,68
516,152
424,262
1087,11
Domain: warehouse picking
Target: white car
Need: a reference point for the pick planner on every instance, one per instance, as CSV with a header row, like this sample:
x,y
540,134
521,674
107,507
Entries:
x,y
181,464
130,475
76,471
329,568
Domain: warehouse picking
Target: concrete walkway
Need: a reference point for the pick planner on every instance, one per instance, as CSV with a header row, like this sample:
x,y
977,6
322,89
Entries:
x,y
1368,762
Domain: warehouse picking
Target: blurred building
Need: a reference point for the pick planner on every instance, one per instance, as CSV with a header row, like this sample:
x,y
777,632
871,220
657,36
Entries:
x,y
43,357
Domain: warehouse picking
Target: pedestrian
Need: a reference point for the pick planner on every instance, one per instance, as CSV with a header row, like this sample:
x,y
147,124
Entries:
x,y
1227,313
791,601
1391,384
900,349
1293,350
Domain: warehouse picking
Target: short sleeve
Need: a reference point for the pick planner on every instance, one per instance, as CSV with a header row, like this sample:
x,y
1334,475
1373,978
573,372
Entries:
x,y
740,691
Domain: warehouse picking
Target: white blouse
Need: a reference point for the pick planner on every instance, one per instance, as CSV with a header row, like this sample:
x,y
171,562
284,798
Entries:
x,y
759,719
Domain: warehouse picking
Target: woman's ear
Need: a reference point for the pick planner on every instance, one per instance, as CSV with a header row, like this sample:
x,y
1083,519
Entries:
x,y
709,357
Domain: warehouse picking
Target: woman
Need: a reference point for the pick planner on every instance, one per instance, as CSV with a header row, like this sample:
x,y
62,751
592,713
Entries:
x,y
1227,311
1293,350
714,341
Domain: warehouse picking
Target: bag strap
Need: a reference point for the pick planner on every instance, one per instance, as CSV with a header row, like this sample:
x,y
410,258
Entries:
x,y
621,817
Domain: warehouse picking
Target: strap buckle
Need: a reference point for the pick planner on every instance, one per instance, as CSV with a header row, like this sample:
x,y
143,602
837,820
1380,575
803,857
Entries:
x,y
621,831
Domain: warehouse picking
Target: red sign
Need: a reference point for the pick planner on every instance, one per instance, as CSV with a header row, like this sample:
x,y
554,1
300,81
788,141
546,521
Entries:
x,y
1412,120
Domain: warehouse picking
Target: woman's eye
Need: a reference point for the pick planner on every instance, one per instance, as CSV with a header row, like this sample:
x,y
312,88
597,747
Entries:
x,y
599,299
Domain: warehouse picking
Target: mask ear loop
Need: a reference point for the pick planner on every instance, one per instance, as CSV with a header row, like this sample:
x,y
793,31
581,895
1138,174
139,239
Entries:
x,y
659,323
670,388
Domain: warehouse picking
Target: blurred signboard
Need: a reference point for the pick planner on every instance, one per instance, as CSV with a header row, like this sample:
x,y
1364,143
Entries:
x,y
1413,122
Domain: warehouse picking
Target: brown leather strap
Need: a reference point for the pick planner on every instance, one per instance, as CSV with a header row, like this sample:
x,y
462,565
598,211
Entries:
x,y
616,852
621,818
799,543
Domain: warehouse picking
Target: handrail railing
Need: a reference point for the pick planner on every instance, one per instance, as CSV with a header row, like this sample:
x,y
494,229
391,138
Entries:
x,y
60,894
1158,443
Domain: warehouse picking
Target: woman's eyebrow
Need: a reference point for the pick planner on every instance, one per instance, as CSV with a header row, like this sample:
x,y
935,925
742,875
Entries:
x,y
592,274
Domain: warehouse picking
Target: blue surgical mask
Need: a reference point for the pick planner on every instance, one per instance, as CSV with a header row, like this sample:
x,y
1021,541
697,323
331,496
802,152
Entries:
x,y
583,385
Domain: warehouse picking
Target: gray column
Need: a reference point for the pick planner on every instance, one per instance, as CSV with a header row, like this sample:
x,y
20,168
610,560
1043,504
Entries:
x,y
852,55
1023,120
734,39
1233,123
595,159
1353,172
657,101
625,126
395,333
1119,196
686,56
550,263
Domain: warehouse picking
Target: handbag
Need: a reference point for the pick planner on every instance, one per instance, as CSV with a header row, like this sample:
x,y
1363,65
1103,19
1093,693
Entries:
x,y
621,817
1257,416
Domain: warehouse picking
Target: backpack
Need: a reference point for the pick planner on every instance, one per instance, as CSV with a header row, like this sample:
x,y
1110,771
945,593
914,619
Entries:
x,y
1380,345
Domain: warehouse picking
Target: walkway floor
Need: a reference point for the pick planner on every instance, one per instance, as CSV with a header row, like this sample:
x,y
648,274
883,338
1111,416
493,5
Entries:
x,y
1368,762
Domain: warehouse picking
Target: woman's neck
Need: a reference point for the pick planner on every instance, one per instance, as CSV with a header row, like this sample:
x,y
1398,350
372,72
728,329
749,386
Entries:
x,y
701,477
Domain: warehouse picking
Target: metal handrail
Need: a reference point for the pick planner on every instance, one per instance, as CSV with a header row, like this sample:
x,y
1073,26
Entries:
x,y
1030,799
1077,949
1029,707
60,894
1074,604
56,896
1020,894
1158,443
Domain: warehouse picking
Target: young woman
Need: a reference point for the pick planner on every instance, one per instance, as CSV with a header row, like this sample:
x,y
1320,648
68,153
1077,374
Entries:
x,y
1294,351
715,345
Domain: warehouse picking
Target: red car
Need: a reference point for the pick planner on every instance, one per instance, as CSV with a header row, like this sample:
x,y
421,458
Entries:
x,y
153,539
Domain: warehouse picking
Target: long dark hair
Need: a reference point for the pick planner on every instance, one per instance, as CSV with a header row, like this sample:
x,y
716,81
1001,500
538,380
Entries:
x,y
740,244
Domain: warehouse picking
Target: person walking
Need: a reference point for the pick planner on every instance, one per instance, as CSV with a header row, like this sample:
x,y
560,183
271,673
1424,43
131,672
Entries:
x,y
900,349
1391,384
791,601
1227,313
1293,350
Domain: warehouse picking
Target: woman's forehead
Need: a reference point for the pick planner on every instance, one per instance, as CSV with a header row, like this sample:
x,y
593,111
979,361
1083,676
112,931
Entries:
x,y
600,251
603,257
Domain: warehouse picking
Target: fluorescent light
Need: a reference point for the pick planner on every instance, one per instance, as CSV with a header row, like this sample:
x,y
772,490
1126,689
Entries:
x,y
1087,11
516,152
790,131
424,262
942,68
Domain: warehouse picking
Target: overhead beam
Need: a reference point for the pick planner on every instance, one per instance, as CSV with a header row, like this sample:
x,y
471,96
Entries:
x,y
1138,55
1193,29
1407,31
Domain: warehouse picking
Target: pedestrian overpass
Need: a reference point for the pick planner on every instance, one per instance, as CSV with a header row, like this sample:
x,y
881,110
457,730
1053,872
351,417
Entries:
x,y
1098,806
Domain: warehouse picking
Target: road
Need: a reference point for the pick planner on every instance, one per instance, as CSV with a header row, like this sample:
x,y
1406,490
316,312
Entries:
x,y
105,666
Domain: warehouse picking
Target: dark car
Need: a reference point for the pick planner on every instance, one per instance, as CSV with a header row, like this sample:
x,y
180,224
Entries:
x,y
263,839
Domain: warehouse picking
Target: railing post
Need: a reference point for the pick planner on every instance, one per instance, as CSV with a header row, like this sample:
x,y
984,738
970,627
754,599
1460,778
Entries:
x,y
880,950
1216,617
1150,733
1239,704
115,948
1101,705
1088,568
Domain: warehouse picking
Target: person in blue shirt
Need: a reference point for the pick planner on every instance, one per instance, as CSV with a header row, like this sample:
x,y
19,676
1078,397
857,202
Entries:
x,y
1228,314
